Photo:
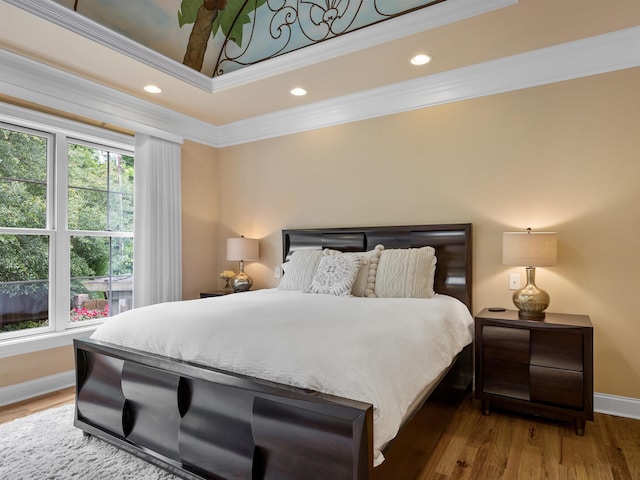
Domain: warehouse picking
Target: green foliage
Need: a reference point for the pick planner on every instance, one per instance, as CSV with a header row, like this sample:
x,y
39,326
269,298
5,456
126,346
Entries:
x,y
89,256
23,258
230,21
11,327
23,155
100,190
188,11
23,175
100,198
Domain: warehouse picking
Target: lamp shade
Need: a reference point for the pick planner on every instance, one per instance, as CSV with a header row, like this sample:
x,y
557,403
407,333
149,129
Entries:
x,y
530,249
242,249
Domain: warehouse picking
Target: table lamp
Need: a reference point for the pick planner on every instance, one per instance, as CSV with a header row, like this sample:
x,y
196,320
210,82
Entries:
x,y
240,250
530,249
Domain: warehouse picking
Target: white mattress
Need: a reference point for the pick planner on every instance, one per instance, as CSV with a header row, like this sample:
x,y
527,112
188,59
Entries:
x,y
383,351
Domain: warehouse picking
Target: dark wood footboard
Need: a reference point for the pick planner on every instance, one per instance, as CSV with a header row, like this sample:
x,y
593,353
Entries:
x,y
200,423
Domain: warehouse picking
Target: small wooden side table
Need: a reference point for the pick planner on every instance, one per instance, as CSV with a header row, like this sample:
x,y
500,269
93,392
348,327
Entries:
x,y
539,367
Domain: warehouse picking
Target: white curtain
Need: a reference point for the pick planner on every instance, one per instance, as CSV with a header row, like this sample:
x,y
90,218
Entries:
x,y
157,257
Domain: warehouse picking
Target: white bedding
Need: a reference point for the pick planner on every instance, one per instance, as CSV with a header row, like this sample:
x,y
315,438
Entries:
x,y
383,351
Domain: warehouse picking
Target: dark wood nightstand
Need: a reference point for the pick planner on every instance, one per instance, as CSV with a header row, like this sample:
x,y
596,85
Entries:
x,y
539,367
217,293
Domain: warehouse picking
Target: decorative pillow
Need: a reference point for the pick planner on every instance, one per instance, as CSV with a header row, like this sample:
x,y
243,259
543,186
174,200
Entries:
x,y
300,269
335,274
366,279
406,273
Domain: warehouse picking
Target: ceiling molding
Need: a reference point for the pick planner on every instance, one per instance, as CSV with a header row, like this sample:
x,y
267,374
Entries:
x,y
39,120
594,55
404,25
35,82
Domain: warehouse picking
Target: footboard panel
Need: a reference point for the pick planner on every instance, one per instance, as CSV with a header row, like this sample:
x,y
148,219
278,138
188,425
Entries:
x,y
201,423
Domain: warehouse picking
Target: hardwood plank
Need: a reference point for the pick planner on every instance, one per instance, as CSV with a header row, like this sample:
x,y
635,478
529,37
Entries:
x,y
27,407
506,445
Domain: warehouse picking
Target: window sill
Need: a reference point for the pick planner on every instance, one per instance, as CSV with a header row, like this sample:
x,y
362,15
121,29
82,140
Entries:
x,y
21,345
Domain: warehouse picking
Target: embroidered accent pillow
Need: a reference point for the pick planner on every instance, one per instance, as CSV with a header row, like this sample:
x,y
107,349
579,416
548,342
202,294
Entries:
x,y
335,274
406,273
300,269
366,278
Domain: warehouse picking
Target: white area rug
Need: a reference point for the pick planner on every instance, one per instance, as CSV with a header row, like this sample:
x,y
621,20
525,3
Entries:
x,y
46,446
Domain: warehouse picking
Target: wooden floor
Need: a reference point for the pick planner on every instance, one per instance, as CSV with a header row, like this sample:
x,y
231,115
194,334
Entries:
x,y
22,409
501,446
509,446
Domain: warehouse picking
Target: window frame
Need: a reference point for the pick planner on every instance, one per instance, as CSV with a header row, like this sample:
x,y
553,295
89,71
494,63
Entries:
x,y
60,332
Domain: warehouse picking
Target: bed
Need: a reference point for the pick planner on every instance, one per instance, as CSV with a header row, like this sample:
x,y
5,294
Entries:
x,y
165,401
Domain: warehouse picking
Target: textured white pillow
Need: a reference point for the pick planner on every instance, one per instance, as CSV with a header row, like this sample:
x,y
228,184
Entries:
x,y
406,273
335,274
366,279
300,269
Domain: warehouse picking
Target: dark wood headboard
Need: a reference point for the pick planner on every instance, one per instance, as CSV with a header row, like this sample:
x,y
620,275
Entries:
x,y
452,243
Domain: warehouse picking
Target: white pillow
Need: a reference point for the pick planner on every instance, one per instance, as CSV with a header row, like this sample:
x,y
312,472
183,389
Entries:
x,y
335,274
406,273
300,269
366,279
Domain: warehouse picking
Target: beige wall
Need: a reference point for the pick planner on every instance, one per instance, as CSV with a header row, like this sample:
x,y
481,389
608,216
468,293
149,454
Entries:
x,y
199,218
31,366
561,157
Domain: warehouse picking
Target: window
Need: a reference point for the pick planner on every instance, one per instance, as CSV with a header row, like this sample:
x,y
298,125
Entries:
x,y
66,227
100,220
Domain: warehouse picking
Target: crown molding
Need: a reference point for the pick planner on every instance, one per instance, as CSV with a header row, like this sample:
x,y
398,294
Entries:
x,y
404,25
36,120
32,81
590,56
48,86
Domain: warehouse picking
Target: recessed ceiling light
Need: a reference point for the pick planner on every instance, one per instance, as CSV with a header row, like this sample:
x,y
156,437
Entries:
x,y
152,89
298,92
420,59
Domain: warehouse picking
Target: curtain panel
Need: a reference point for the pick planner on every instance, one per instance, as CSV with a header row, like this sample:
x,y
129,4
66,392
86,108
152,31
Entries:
x,y
157,256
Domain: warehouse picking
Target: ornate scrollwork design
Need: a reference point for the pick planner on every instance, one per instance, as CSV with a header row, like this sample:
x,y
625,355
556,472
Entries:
x,y
320,20
281,26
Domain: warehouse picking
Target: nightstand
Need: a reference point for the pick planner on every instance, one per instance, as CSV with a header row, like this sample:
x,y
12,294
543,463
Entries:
x,y
539,367
217,293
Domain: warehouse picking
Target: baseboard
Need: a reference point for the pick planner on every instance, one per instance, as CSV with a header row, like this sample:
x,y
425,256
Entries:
x,y
619,406
37,387
603,403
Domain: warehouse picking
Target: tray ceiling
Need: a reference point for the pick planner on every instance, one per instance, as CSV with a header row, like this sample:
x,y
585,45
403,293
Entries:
x,y
478,47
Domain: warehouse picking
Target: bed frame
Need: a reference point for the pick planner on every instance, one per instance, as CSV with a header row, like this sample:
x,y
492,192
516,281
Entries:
x,y
203,423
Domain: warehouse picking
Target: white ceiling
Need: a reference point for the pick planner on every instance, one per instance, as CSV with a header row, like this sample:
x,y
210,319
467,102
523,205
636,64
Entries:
x,y
479,47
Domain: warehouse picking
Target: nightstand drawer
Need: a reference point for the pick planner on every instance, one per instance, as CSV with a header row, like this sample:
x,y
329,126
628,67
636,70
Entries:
x,y
507,379
554,386
557,349
503,343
